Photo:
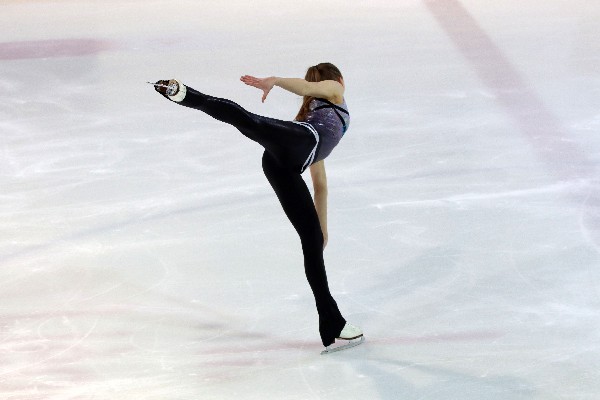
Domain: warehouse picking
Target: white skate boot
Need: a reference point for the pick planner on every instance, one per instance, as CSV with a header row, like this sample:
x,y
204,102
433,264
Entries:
x,y
352,334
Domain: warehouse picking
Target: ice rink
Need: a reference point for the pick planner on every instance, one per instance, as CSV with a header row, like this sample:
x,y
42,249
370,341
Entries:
x,y
143,254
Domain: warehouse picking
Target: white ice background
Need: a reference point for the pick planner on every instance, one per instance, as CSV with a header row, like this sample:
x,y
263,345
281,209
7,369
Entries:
x,y
144,256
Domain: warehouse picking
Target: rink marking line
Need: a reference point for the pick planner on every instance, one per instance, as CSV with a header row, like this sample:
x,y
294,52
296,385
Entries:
x,y
548,136
53,48
501,77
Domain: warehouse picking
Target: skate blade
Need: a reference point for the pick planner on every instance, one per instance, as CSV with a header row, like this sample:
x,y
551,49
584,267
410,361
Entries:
x,y
353,343
157,84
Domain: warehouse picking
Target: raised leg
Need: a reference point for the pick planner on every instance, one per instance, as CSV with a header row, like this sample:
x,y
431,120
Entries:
x,y
288,142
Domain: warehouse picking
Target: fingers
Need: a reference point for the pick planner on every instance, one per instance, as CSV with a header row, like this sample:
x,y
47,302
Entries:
x,y
257,83
250,80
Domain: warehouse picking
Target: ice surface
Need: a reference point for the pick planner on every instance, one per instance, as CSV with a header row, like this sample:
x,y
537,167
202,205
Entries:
x,y
144,256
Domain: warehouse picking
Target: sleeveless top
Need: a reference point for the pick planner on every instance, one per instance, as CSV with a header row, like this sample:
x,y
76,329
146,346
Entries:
x,y
330,121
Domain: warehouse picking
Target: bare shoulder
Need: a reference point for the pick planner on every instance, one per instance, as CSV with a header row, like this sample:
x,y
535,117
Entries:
x,y
336,90
329,89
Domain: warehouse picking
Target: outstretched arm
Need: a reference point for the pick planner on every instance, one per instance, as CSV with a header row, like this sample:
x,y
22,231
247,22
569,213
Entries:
x,y
329,89
319,178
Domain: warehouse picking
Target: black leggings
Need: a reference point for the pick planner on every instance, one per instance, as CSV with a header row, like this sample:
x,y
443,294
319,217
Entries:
x,y
287,146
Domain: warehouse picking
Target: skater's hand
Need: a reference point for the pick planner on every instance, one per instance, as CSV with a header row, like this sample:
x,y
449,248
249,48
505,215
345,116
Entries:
x,y
264,84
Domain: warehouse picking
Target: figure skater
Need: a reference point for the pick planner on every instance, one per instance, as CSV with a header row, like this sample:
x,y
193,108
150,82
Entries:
x,y
290,148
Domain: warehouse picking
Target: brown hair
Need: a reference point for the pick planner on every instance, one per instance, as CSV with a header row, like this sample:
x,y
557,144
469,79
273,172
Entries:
x,y
317,73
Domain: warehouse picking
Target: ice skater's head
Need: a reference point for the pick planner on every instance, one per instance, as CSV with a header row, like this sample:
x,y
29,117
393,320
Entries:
x,y
318,73
324,72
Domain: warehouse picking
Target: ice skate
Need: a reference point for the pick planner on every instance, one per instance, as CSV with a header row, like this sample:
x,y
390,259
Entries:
x,y
352,334
166,88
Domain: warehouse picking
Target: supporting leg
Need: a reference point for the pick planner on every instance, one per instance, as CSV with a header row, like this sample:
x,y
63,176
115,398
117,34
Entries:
x,y
298,205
